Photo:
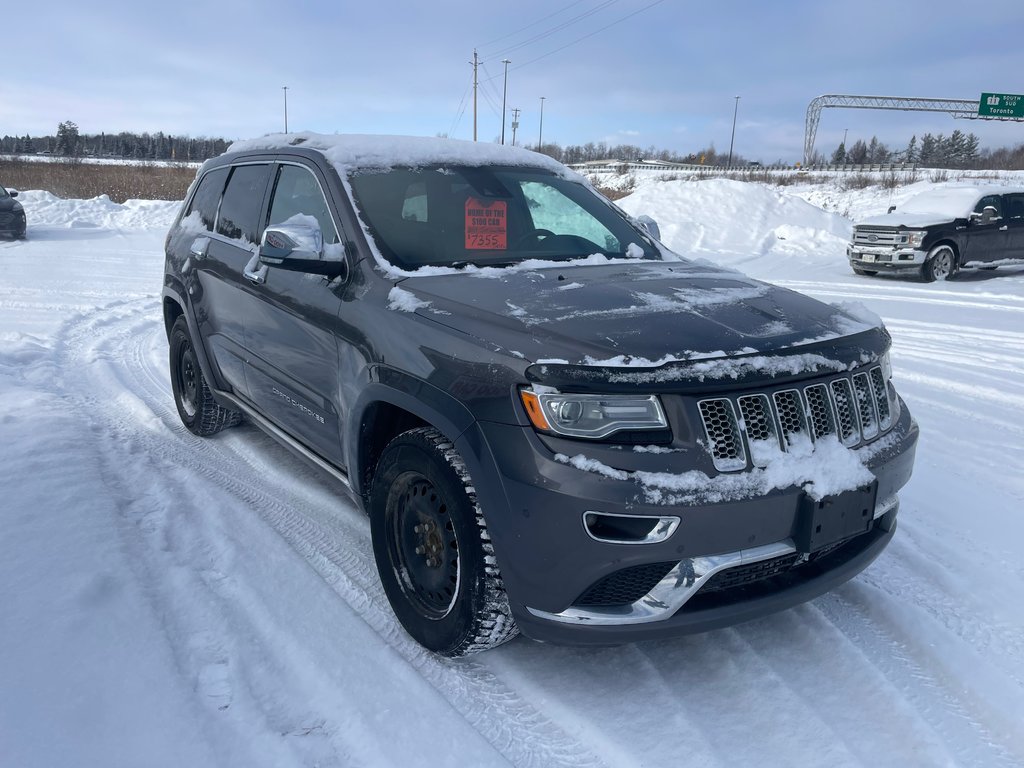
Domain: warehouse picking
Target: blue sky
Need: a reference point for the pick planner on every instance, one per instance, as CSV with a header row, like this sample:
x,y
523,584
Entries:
x,y
665,76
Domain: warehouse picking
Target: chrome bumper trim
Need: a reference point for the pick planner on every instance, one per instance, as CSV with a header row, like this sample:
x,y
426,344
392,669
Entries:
x,y
680,584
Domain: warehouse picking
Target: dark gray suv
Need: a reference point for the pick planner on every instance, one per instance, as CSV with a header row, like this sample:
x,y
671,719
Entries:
x,y
555,424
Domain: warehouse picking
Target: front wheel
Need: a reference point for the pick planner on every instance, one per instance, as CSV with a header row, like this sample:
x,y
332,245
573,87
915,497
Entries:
x,y
940,264
199,412
432,548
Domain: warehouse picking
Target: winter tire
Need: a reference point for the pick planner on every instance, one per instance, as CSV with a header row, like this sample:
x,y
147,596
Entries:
x,y
432,548
199,412
940,264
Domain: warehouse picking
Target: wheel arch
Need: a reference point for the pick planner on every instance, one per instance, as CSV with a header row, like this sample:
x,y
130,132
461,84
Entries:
x,y
392,403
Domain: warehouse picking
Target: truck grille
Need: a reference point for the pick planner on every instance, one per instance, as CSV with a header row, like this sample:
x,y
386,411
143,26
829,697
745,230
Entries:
x,y
855,409
872,237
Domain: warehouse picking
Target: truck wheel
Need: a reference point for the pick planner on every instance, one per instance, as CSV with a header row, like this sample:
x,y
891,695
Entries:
x,y
859,271
432,548
940,264
199,412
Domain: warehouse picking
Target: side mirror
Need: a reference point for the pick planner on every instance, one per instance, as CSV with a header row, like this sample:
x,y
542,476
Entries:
x,y
297,245
650,226
12,192
988,213
891,209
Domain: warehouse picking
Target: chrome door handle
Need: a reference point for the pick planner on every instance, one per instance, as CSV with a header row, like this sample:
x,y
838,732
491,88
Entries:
x,y
255,272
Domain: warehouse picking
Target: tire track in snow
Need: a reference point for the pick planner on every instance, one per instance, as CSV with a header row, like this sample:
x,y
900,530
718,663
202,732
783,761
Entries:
x,y
942,702
129,332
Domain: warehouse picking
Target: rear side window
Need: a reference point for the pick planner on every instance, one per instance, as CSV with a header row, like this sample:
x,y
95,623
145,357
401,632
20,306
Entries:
x,y
1015,206
243,198
207,197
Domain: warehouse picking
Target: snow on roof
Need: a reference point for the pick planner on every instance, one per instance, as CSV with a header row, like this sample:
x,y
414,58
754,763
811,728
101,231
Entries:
x,y
351,151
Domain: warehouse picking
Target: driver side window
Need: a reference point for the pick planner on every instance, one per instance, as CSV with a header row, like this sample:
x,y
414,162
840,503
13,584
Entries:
x,y
994,201
297,191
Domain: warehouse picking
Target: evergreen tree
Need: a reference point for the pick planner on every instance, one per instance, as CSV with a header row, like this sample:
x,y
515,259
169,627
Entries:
x,y
858,153
912,153
839,156
68,140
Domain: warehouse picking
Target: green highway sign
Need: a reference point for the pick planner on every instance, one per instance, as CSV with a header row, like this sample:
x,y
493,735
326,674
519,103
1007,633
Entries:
x,y
1001,105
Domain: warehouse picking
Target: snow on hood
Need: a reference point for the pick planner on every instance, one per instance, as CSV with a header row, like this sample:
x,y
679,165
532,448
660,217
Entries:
x,y
351,151
635,315
901,219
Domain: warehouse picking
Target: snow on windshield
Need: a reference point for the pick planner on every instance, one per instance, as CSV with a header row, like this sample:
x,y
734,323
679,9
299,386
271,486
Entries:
x,y
953,202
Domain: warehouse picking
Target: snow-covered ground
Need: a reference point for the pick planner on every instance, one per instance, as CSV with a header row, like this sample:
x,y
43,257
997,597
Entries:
x,y
172,601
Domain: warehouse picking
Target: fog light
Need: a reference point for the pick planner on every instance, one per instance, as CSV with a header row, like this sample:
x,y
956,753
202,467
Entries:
x,y
629,529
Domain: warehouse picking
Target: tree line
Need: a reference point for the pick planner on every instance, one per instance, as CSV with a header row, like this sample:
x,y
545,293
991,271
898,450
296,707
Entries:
x,y
958,150
68,142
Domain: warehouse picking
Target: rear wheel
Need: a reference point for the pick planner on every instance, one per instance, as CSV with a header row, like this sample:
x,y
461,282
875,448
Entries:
x,y
432,548
199,412
940,264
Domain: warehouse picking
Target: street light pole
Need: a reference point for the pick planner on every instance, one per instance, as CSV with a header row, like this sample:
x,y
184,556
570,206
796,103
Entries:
x,y
540,137
735,110
504,94
285,89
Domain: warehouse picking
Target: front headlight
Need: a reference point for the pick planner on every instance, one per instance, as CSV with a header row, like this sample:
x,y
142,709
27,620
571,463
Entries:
x,y
592,416
914,239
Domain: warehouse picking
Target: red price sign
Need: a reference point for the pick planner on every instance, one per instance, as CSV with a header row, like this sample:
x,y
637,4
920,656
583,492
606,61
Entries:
x,y
486,224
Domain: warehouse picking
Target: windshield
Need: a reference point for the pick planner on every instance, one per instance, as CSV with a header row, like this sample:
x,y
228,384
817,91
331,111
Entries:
x,y
488,217
3,192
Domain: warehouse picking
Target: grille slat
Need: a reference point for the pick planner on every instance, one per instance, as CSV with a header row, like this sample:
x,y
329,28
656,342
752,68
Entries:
x,y
855,409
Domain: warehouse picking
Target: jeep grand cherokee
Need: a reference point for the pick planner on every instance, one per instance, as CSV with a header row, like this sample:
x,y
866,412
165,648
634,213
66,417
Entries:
x,y
556,425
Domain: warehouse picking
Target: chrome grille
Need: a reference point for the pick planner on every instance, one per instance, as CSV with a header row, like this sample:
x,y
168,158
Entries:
x,y
855,409
865,406
723,434
881,393
870,237
791,414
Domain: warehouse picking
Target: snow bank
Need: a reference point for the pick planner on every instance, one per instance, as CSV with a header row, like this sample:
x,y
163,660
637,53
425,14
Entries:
x,y
46,210
739,224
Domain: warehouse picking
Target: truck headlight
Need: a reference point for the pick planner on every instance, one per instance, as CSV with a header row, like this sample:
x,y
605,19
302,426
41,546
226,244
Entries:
x,y
592,416
914,238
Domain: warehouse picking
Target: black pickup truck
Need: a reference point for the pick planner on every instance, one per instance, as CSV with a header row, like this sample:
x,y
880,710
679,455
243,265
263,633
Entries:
x,y
937,232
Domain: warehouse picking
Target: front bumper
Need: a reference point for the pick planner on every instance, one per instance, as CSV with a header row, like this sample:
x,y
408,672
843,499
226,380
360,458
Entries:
x,y
549,560
886,259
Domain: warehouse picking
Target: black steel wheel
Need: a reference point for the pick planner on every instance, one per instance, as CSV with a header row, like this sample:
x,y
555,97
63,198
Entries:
x,y
432,549
199,412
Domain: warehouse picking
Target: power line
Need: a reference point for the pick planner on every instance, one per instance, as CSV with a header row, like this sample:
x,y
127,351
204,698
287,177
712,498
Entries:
x,y
461,109
534,24
557,28
591,34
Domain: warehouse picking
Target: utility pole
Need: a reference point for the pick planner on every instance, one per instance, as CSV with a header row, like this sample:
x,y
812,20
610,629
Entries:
x,y
474,62
733,139
504,93
540,136
285,89
515,123
845,131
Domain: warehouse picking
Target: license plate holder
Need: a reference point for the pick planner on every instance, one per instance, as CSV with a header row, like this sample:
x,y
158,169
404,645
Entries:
x,y
868,257
834,518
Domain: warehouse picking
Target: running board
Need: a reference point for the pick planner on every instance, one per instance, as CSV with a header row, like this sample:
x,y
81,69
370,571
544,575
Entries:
x,y
284,438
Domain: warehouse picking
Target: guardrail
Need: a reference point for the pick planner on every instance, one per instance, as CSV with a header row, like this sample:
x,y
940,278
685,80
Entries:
x,y
624,168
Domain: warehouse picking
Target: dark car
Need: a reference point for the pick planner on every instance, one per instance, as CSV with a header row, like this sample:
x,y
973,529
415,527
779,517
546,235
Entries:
x,y
555,424
12,214
937,232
